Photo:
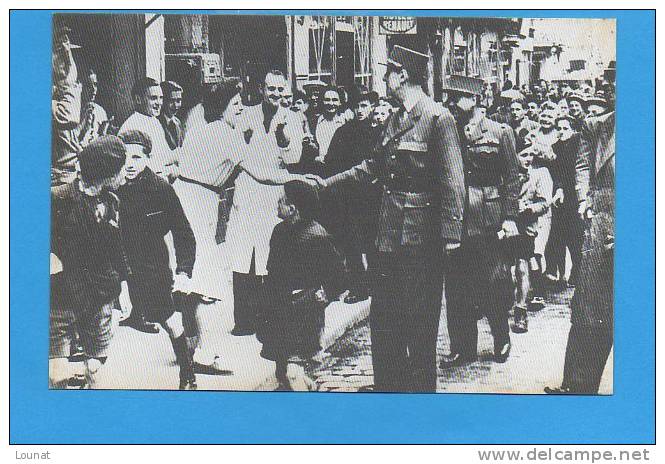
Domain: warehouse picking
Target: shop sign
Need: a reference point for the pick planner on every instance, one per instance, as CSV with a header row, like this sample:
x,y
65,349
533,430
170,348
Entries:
x,y
389,25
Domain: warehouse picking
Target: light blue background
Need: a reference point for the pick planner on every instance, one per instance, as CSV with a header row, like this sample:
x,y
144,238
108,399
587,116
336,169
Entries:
x,y
42,416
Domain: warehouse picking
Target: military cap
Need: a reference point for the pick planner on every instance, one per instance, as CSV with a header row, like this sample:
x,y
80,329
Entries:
x,y
414,62
102,159
464,84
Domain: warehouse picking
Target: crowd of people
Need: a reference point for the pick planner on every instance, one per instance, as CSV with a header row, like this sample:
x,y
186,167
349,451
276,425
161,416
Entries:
x,y
324,194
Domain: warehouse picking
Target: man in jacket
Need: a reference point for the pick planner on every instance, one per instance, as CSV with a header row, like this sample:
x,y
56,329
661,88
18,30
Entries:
x,y
591,334
567,228
356,225
174,130
478,280
150,209
418,162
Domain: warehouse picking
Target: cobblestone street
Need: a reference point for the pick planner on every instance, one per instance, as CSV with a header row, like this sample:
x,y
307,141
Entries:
x,y
536,359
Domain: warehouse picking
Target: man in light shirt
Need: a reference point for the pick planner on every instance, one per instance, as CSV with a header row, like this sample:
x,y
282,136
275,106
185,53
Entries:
x,y
148,101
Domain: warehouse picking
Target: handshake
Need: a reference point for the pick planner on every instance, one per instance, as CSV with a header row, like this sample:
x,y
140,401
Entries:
x,y
313,180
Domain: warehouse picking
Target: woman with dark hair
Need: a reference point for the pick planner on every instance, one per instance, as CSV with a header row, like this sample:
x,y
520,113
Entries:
x,y
212,154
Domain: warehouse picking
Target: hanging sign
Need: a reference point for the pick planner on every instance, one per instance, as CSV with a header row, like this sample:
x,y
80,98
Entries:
x,y
389,25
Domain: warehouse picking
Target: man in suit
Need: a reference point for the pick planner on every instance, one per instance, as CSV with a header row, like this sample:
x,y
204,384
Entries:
x,y
478,281
419,165
355,225
591,333
174,131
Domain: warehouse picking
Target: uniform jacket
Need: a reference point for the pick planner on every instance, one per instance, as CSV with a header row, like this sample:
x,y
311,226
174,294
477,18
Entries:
x,y
85,236
592,302
492,179
418,161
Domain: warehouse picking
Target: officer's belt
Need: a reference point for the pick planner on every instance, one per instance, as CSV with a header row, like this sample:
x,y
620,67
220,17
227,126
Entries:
x,y
409,184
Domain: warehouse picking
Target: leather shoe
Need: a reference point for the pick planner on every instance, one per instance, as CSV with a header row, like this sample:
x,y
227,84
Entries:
x,y
501,355
353,298
521,321
558,391
188,384
455,359
240,332
141,325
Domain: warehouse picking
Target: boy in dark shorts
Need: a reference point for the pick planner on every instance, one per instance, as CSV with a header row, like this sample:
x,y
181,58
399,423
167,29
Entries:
x,y
88,265
304,271
534,201
150,209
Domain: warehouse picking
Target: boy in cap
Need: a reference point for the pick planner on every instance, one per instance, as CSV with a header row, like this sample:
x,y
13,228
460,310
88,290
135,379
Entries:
x,y
304,270
88,260
150,209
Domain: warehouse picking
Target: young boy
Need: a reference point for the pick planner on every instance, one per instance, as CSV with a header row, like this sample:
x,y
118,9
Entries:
x,y
150,209
304,270
87,260
534,201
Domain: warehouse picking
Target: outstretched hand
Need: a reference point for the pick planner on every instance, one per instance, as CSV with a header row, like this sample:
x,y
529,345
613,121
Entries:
x,y
315,181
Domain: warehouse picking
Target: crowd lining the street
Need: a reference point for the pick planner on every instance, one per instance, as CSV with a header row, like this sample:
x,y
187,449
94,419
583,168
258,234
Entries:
x,y
382,197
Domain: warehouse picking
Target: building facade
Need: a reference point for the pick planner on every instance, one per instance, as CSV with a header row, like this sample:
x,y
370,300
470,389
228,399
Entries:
x,y
340,50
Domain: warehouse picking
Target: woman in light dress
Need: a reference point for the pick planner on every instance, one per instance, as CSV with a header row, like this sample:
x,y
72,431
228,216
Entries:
x,y
210,156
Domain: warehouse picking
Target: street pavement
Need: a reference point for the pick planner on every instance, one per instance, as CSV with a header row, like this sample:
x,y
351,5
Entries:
x,y
536,359
142,361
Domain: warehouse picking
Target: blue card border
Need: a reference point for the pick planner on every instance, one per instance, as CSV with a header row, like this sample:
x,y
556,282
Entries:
x,y
41,416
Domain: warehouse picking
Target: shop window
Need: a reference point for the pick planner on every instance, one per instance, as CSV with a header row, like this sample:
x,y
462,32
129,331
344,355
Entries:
x,y
577,65
320,47
362,70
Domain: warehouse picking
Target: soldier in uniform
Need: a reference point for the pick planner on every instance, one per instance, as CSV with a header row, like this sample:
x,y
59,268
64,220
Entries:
x,y
418,162
478,280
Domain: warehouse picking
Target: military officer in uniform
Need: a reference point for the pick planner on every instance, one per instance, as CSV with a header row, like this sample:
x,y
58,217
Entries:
x,y
418,162
478,280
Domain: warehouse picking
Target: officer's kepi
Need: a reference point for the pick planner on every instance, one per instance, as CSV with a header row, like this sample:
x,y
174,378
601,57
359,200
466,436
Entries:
x,y
463,84
414,62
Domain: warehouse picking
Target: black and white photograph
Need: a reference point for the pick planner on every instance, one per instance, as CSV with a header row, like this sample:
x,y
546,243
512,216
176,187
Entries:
x,y
332,203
